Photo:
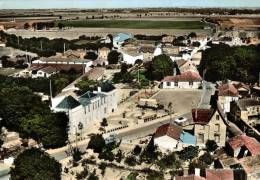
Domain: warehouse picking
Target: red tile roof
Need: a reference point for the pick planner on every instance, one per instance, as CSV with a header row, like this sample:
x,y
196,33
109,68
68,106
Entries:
x,y
188,76
189,177
227,90
219,174
250,143
170,130
202,116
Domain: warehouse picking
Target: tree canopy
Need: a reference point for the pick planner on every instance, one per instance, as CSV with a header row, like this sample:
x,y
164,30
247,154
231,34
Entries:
x,y
35,164
160,67
113,57
222,62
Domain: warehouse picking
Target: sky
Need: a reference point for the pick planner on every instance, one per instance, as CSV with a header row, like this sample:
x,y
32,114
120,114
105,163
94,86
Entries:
x,y
42,4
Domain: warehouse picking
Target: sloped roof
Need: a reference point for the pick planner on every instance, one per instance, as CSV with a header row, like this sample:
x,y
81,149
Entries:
x,y
85,99
122,37
95,73
219,174
244,103
170,130
227,90
48,69
250,143
189,177
68,103
188,76
202,116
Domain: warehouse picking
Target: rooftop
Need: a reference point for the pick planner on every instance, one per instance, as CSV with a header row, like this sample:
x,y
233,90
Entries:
x,y
122,37
219,174
227,90
243,104
250,143
188,76
171,130
68,103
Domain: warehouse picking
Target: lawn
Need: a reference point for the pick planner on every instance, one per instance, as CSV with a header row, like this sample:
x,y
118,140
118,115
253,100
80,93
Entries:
x,y
133,24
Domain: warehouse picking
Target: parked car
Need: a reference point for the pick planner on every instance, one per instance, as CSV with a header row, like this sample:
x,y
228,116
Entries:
x,y
180,120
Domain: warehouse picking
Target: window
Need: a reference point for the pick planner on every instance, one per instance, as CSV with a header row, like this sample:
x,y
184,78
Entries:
x,y
168,83
176,84
201,138
217,127
191,83
217,117
217,138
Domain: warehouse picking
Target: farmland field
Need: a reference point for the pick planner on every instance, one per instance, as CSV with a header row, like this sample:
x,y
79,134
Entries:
x,y
133,24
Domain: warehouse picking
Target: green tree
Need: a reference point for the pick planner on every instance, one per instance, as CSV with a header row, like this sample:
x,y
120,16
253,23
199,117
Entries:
x,y
49,129
137,150
104,122
35,164
169,161
113,57
211,145
189,153
86,85
206,158
97,143
132,176
160,67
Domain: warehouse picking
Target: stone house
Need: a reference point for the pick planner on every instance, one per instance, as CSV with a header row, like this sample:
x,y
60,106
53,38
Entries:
x,y
242,146
210,124
227,93
171,137
103,53
186,80
247,109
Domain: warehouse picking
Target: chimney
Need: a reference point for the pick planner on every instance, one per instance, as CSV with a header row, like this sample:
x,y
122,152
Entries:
x,y
197,172
99,89
174,72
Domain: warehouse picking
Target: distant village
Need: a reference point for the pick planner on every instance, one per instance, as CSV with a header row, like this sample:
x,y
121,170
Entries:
x,y
144,108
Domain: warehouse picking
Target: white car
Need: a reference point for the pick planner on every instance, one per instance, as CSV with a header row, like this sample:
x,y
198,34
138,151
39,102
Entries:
x,y
180,120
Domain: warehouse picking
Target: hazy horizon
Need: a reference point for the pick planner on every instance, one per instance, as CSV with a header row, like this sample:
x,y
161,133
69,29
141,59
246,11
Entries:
x,y
90,4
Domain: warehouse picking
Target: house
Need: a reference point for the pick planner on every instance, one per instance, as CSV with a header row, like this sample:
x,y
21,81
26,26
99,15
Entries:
x,y
209,124
64,63
210,174
243,89
226,94
168,39
44,72
251,166
242,146
196,58
202,39
186,80
2,44
87,109
172,137
184,65
148,52
100,62
103,53
77,54
247,110
130,55
120,39
96,73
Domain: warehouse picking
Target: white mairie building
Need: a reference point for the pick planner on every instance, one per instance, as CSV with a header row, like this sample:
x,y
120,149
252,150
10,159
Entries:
x,y
87,109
